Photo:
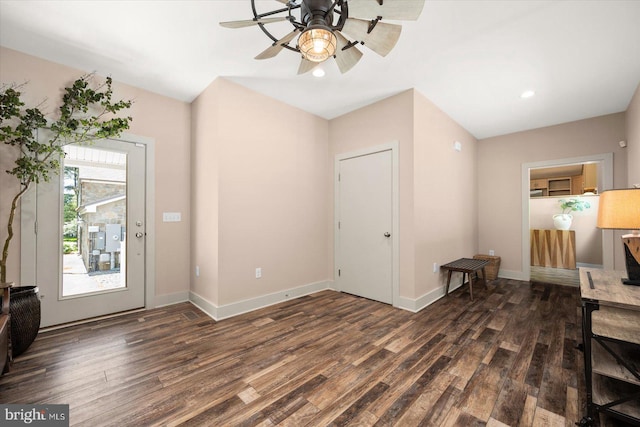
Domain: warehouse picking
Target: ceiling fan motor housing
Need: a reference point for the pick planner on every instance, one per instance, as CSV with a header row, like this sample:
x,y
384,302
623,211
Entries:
x,y
316,12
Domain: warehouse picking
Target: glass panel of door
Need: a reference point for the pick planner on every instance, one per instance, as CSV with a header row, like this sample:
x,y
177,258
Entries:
x,y
93,220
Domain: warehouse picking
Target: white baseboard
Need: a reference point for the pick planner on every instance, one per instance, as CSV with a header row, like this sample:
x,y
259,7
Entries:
x,y
512,274
169,299
203,304
245,306
585,265
415,305
236,308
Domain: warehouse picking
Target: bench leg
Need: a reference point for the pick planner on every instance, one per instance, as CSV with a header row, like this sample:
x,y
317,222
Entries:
x,y
471,286
446,292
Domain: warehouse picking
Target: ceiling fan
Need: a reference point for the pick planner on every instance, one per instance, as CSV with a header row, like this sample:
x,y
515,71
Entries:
x,y
333,28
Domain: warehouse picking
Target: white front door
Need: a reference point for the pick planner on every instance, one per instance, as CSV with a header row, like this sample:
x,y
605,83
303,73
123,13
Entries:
x,y
89,252
365,226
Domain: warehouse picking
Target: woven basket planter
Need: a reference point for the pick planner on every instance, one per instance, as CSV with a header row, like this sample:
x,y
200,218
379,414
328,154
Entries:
x,y
492,268
24,307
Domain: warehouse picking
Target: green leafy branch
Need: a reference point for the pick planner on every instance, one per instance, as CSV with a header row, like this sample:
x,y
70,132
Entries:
x,y
87,114
572,205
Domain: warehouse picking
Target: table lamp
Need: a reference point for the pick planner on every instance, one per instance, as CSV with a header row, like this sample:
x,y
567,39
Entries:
x,y
620,210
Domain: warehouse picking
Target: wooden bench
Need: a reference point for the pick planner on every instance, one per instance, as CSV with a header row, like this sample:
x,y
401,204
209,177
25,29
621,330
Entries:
x,y
465,266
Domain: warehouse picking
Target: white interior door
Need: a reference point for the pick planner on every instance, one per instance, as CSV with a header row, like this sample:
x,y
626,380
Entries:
x,y
104,271
365,226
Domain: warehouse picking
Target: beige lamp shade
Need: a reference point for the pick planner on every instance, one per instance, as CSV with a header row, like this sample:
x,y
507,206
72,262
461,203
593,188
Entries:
x,y
619,209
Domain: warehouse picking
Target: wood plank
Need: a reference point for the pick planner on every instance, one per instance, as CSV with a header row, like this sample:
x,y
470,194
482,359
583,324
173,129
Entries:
x,y
521,364
323,359
361,404
572,410
553,390
481,394
528,412
412,393
548,419
536,365
510,405
432,398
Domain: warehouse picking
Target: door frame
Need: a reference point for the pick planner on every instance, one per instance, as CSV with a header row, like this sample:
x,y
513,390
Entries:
x,y
27,222
392,146
606,160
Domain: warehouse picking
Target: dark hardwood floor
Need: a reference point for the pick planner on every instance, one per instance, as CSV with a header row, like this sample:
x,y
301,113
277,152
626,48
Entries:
x,y
507,358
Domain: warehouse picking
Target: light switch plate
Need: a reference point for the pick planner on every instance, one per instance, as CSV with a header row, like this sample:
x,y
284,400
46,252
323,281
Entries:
x,y
171,217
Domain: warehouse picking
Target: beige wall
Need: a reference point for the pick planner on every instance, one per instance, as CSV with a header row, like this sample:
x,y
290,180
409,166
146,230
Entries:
x,y
633,139
164,120
500,161
445,193
434,225
204,193
269,162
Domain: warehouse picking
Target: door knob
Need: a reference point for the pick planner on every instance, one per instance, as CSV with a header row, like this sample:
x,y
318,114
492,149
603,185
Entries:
x,y
387,234
139,234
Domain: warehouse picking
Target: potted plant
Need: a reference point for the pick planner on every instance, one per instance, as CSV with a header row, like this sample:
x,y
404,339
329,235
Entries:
x,y
562,221
86,113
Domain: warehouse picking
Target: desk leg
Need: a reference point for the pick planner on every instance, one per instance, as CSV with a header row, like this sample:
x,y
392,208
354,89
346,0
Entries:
x,y
471,286
446,292
587,332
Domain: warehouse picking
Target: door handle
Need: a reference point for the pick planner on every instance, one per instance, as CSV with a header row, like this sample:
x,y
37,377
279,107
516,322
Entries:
x,y
139,234
387,234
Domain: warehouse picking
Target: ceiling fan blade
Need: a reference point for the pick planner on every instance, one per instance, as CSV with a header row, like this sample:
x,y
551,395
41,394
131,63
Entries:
x,y
306,66
347,58
406,10
251,22
381,40
275,49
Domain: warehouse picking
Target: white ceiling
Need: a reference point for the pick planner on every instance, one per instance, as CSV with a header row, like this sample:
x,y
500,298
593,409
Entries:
x,y
472,59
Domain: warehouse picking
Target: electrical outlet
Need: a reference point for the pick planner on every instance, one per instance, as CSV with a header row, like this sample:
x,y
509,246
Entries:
x,y
435,267
492,252
197,271
258,272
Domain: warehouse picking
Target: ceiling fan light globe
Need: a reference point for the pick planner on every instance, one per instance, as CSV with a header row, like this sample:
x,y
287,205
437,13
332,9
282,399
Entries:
x,y
317,44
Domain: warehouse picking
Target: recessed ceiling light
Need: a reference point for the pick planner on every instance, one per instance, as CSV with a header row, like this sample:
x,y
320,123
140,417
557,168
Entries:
x,y
527,94
318,72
